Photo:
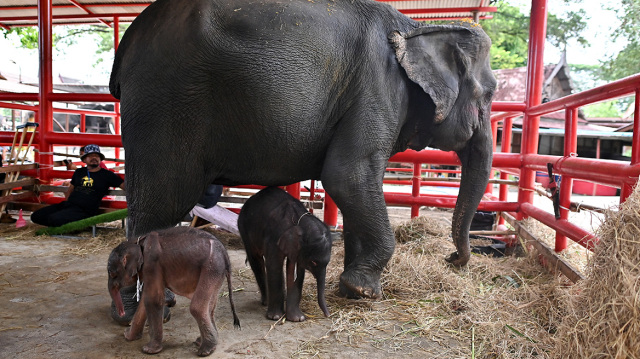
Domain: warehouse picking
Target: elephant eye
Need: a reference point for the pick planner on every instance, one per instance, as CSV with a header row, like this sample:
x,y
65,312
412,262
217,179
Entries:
x,y
112,274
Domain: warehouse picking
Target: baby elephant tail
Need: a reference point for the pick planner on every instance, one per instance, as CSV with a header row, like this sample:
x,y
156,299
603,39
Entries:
x,y
236,320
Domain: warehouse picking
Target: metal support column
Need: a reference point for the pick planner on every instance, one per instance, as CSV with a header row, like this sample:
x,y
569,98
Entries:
x,y
533,96
626,189
566,185
45,112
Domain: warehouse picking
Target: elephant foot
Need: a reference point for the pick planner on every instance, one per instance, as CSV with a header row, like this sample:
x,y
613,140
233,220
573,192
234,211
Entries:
x,y
295,315
356,283
205,349
152,348
457,260
203,352
131,335
275,314
344,292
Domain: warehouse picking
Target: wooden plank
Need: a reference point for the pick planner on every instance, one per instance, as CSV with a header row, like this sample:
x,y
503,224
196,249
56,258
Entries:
x,y
18,168
16,184
553,262
16,197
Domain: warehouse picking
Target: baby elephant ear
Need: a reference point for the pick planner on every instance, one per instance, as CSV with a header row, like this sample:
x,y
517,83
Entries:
x,y
289,242
431,58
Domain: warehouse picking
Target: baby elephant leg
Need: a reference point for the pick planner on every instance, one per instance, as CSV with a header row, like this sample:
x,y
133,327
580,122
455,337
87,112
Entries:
x,y
154,300
203,304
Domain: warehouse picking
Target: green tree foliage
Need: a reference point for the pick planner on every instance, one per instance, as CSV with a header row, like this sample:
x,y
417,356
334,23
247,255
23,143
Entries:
x,y
68,35
509,33
603,109
626,62
28,36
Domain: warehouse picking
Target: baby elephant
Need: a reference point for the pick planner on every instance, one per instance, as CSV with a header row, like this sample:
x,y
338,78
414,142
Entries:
x,y
274,226
189,262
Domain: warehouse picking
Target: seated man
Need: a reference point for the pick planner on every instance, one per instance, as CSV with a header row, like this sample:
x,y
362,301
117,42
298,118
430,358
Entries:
x,y
88,185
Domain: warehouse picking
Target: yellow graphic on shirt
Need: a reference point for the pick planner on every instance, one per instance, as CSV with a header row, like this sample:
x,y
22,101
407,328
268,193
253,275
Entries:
x,y
87,181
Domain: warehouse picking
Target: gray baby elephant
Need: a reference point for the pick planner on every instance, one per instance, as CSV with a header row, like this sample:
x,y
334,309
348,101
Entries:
x,y
274,226
188,261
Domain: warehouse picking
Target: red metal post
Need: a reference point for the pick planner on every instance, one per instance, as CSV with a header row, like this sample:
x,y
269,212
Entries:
x,y
566,185
626,189
45,114
116,42
83,123
533,95
415,188
294,190
507,126
494,131
330,211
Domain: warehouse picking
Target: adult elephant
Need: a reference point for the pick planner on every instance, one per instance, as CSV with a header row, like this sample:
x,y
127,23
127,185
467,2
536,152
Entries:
x,y
274,92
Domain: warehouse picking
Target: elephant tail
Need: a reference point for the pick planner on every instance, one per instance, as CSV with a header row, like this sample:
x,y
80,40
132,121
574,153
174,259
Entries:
x,y
236,320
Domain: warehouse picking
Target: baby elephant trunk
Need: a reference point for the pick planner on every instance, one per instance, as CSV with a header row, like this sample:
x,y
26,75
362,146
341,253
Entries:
x,y
117,299
320,278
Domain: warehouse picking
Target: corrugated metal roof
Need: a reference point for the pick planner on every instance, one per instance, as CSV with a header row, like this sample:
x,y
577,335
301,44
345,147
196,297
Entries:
x,y
25,12
442,9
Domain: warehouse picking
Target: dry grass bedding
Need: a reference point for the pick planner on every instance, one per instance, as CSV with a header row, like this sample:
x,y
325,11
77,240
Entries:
x,y
506,307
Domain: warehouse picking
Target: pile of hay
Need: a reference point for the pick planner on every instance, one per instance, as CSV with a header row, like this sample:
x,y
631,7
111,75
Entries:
x,y
493,308
603,319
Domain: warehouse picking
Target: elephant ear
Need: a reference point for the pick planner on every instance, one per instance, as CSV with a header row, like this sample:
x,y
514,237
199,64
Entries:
x,y
289,243
132,260
434,58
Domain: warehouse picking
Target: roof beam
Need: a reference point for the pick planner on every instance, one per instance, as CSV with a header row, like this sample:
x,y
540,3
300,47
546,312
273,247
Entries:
x,y
35,8
74,16
84,8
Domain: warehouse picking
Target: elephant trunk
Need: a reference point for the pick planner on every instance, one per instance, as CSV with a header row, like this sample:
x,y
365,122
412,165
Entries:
x,y
321,278
476,158
117,299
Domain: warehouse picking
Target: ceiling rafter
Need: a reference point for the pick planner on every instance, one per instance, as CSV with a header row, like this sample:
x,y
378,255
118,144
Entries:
x,y
84,8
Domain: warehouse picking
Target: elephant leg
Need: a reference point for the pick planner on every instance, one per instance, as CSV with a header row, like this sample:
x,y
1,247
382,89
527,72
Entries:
x,y
356,187
275,284
154,300
156,200
352,248
256,261
294,292
203,304
134,332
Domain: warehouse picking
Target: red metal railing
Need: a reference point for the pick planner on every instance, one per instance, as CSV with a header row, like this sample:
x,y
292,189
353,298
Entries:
x,y
523,165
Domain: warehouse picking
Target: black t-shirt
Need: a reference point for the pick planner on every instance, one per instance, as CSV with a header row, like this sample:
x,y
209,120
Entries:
x,y
90,187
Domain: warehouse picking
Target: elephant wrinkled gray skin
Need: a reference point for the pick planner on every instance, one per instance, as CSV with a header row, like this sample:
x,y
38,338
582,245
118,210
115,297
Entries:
x,y
274,226
189,262
274,92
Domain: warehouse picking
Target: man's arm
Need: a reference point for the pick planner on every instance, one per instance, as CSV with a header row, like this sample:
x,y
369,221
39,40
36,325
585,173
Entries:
x,y
66,194
122,187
